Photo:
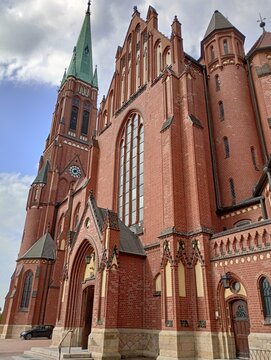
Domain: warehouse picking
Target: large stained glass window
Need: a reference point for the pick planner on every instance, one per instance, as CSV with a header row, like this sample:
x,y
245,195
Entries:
x,y
131,172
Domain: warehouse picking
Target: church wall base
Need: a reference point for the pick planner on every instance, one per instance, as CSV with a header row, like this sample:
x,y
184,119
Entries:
x,y
104,344
71,338
226,345
259,341
12,331
138,342
189,345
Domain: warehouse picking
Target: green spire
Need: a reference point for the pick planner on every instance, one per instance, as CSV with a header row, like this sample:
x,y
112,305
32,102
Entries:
x,y
64,77
95,78
81,66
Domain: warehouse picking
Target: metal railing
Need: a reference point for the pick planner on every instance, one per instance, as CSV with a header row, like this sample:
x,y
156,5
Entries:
x,y
61,342
259,354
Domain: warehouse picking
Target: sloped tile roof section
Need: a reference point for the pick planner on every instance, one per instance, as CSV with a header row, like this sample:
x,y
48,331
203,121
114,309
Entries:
x,y
218,22
263,42
195,121
129,242
41,178
44,248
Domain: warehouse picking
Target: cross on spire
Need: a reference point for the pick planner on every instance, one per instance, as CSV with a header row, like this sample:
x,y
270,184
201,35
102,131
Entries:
x,y
261,21
88,9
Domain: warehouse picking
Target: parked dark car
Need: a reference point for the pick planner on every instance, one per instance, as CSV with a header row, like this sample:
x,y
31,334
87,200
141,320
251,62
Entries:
x,y
38,331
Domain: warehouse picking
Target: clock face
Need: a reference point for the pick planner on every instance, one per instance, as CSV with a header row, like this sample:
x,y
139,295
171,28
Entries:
x,y
75,171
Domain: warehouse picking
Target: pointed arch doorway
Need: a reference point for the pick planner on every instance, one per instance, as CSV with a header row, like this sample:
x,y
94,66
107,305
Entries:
x,y
87,309
240,322
81,294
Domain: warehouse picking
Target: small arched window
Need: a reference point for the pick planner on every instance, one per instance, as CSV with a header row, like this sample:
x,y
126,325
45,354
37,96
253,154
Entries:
x,y
158,58
60,225
221,110
226,147
105,118
27,290
167,57
225,47
265,290
217,83
253,157
232,189
122,91
111,106
138,34
76,217
74,114
238,48
129,42
85,122
212,52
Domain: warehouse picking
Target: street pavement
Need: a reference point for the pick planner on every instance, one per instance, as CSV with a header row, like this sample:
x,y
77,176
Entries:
x,y
12,347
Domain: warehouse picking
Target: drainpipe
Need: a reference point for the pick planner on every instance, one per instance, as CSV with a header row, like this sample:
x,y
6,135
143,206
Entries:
x,y
257,112
211,137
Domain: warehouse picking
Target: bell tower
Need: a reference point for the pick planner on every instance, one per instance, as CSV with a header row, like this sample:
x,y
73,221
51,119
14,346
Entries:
x,y
65,158
64,164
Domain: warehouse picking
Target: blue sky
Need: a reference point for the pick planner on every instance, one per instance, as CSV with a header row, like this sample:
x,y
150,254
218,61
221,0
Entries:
x,y
36,42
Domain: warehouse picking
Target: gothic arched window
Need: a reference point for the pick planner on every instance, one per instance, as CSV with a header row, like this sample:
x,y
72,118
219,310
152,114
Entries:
x,y
212,52
253,157
265,290
74,114
76,217
217,83
131,172
233,194
85,119
226,147
221,110
158,58
225,47
167,57
27,290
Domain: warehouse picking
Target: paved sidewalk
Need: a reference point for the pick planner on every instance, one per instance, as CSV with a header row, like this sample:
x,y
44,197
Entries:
x,y
12,347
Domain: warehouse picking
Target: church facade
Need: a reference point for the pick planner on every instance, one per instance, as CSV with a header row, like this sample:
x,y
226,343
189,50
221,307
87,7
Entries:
x,y
148,225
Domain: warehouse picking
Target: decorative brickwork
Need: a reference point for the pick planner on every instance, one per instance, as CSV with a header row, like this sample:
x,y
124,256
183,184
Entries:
x,y
194,246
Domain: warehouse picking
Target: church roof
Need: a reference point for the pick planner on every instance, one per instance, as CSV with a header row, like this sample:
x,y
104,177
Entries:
x,y
263,42
41,178
81,65
44,248
218,22
129,242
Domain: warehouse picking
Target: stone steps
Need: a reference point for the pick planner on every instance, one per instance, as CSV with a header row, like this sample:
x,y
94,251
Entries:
x,y
38,353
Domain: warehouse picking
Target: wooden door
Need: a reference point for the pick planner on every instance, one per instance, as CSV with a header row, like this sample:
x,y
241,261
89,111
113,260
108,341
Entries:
x,y
88,295
241,327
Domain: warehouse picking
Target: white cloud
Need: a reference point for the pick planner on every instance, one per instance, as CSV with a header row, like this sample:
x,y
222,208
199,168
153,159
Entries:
x,y
37,36
13,194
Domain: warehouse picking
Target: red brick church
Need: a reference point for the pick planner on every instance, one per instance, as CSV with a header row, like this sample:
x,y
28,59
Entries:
x,y
148,224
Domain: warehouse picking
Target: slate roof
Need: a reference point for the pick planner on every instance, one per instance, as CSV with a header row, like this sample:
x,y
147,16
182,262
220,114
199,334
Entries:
x,y
41,178
44,248
263,42
129,242
218,22
81,64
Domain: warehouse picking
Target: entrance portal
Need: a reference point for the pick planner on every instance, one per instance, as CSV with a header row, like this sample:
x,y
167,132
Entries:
x,y
88,295
241,327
